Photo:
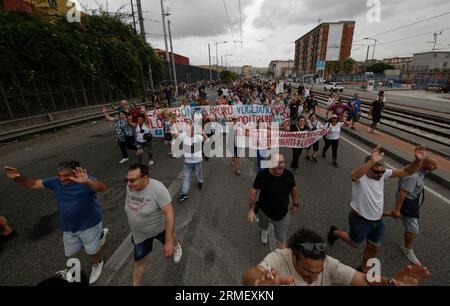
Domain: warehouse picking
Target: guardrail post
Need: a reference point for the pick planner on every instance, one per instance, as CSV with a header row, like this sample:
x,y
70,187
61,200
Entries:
x,y
51,95
37,96
5,98
84,92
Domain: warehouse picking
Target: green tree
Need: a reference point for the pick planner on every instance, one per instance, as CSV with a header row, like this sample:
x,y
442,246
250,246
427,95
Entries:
x,y
348,65
228,76
380,67
101,47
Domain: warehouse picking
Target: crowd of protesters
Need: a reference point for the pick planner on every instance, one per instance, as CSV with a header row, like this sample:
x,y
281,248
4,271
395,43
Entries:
x,y
300,260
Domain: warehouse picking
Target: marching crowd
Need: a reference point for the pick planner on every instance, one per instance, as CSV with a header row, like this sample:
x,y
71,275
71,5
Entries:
x,y
300,260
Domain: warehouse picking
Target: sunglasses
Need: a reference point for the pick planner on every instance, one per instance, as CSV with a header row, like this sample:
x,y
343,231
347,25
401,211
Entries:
x,y
131,180
378,172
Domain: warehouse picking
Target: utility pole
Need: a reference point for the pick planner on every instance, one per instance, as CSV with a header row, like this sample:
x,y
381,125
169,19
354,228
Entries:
x,y
142,28
209,55
173,61
365,63
134,19
163,14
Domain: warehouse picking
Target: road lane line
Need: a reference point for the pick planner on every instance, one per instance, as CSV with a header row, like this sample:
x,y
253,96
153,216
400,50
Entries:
x,y
124,251
435,193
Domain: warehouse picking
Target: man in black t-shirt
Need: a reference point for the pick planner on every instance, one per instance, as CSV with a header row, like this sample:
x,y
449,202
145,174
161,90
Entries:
x,y
275,185
375,112
311,103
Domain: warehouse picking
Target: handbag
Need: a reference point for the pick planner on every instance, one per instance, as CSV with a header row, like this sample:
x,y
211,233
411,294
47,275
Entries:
x,y
410,207
148,136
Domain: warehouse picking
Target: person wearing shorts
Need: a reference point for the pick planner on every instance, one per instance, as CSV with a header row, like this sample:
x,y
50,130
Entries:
x,y
274,185
150,216
365,218
409,200
80,213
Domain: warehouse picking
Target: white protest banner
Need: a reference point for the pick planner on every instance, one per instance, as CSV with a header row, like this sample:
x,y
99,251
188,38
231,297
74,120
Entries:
x,y
245,114
263,139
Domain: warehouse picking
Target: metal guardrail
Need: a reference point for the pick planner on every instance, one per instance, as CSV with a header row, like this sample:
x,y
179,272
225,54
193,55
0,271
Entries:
x,y
15,134
47,126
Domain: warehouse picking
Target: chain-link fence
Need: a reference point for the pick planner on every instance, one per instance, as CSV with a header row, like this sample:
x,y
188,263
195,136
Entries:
x,y
25,95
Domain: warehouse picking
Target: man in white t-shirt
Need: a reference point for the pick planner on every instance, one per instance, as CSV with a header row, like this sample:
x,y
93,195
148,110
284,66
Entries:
x,y
306,263
367,206
192,150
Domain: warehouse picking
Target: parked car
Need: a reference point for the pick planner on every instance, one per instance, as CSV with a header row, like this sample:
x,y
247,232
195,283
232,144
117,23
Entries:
x,y
334,86
434,87
446,88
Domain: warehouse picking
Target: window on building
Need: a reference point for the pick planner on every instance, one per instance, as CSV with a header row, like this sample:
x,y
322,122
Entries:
x,y
447,55
445,65
435,54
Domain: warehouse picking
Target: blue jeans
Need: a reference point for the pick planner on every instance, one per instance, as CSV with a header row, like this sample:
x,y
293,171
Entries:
x,y
187,170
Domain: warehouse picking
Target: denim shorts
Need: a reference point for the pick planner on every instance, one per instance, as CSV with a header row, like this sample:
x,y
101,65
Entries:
x,y
411,224
88,238
141,250
281,227
362,229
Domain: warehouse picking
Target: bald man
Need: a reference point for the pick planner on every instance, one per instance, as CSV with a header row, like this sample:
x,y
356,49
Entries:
x,y
410,196
274,185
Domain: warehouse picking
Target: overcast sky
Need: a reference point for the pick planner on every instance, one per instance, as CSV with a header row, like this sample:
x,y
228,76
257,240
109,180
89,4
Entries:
x,y
270,27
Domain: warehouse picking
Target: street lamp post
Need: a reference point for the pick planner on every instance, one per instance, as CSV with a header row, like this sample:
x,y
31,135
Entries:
x,y
164,14
225,56
217,56
373,53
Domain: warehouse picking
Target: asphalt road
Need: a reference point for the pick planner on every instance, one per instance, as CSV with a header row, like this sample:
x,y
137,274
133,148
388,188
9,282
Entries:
x,y
218,242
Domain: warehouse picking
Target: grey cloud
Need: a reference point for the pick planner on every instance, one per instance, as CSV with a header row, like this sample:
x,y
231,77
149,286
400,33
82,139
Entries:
x,y
190,18
277,14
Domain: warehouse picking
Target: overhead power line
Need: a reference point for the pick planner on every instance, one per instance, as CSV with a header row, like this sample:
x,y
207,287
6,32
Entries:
x,y
228,18
413,36
408,25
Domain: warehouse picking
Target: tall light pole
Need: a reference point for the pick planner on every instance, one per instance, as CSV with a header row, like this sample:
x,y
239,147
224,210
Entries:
x,y
209,56
217,56
225,56
374,46
434,49
141,25
163,15
173,61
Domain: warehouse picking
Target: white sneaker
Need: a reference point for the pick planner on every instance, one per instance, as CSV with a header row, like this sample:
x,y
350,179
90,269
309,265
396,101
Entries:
x,y
264,236
151,163
369,130
409,253
178,253
96,272
65,275
103,237
123,160
375,132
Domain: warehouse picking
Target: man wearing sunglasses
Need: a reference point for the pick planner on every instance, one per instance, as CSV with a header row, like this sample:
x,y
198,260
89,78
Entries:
x,y
150,216
306,263
365,217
